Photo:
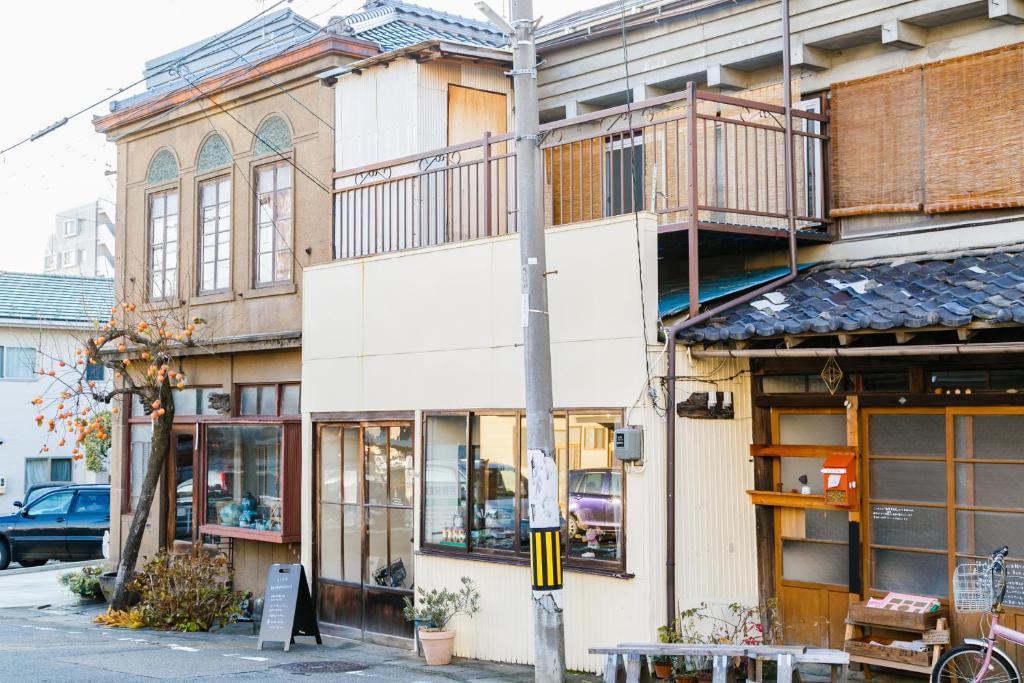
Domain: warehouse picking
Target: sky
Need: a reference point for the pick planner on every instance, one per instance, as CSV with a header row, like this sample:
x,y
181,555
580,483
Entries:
x,y
61,56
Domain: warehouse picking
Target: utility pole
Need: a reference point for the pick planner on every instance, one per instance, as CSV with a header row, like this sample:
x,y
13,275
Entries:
x,y
545,515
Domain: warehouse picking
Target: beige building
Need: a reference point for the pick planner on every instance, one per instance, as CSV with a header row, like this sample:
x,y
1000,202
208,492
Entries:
x,y
221,203
905,205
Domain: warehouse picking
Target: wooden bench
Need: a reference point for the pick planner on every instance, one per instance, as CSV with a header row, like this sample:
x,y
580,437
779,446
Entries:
x,y
631,659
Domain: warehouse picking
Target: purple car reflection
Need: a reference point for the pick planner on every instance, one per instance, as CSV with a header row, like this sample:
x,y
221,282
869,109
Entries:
x,y
595,500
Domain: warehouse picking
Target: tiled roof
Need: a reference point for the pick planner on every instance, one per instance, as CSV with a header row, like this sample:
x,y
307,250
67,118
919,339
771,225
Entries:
x,y
394,24
399,34
953,291
54,299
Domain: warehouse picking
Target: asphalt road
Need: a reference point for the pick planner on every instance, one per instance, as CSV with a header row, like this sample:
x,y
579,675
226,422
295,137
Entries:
x,y
62,644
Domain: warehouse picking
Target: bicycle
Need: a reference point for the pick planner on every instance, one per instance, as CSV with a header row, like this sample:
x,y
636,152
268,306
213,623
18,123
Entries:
x,y
981,587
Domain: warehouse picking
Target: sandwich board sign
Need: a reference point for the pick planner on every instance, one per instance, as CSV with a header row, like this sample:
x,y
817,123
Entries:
x,y
287,607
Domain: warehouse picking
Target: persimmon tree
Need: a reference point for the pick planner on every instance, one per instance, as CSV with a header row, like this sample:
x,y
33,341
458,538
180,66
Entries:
x,y
141,355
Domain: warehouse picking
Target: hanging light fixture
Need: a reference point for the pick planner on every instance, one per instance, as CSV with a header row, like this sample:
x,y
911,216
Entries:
x,y
832,375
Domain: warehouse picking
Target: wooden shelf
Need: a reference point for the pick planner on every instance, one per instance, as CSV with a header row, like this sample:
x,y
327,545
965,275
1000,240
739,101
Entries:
x,y
890,664
775,450
247,534
791,500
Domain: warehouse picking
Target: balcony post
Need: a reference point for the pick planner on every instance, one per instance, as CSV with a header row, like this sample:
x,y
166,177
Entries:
x,y
691,187
487,183
787,97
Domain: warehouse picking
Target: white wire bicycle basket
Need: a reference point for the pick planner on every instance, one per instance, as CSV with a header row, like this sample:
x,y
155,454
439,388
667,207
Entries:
x,y
972,586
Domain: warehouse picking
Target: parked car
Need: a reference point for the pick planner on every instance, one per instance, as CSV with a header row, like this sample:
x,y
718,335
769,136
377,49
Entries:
x,y
38,489
64,523
595,500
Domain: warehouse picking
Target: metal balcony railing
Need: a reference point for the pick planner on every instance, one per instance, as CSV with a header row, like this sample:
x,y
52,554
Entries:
x,y
641,156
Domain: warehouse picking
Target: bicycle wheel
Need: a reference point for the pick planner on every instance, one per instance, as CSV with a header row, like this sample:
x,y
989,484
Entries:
x,y
963,665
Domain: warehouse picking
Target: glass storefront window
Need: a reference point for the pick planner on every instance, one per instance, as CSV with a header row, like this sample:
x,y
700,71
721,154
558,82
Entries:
x,y
594,522
495,521
193,401
591,484
244,476
445,494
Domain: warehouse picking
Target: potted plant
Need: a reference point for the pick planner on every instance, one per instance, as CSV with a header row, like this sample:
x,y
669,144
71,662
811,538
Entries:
x,y
664,665
84,583
433,610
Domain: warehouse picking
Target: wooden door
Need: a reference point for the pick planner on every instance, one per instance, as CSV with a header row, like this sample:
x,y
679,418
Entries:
x,y
365,527
183,482
812,546
471,114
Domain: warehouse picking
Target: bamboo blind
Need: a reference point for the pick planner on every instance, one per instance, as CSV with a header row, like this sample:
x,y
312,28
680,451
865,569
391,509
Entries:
x,y
877,145
974,132
946,136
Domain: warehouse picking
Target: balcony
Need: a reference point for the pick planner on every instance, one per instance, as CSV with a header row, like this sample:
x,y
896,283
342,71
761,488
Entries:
x,y
723,156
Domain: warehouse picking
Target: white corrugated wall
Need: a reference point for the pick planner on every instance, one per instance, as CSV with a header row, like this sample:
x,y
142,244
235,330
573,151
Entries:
x,y
716,558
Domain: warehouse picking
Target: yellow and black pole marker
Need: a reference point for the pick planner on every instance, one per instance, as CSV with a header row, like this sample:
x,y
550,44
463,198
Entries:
x,y
546,558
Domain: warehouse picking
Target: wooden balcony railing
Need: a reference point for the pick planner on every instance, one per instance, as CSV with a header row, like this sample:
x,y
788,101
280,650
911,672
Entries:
x,y
616,161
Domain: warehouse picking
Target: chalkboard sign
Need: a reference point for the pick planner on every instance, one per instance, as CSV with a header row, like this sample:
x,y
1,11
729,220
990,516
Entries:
x,y
287,607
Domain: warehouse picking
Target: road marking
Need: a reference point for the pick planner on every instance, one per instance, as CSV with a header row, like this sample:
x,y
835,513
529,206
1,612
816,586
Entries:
x,y
183,648
251,659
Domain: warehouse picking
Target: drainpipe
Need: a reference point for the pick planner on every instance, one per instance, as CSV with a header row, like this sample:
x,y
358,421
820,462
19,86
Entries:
x,y
696,318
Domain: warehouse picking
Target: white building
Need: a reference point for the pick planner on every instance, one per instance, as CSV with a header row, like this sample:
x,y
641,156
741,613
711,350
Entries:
x,y
82,242
41,319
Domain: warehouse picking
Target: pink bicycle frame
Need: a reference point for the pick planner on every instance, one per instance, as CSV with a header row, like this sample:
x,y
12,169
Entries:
x,y
997,630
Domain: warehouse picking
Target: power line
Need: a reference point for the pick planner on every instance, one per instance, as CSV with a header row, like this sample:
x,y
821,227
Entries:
x,y
63,120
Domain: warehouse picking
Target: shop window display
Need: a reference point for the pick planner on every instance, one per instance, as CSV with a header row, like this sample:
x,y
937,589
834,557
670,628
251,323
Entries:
x,y
492,502
244,476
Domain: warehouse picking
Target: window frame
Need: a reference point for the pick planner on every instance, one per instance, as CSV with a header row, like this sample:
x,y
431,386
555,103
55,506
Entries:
x,y
236,400
75,228
65,261
518,555
5,364
164,191
280,159
214,177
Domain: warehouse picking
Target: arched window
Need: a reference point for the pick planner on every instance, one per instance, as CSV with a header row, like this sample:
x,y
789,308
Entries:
x,y
214,154
272,137
162,168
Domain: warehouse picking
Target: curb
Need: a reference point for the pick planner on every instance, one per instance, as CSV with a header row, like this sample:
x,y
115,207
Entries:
x,y
49,567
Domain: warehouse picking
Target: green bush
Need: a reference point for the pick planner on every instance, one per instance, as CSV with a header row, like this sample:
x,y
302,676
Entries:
x,y
84,583
187,592
435,608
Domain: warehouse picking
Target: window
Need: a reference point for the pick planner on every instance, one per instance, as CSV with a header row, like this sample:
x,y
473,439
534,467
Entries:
x,y
476,479
262,399
274,224
50,262
214,235
54,504
141,437
243,466
70,227
68,258
17,362
624,180
191,401
163,245
46,469
91,502
95,372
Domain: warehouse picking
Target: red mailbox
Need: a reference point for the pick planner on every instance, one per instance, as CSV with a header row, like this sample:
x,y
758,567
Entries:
x,y
840,477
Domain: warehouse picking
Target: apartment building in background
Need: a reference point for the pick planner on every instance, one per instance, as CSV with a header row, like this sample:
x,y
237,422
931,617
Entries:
x,y
42,319
82,242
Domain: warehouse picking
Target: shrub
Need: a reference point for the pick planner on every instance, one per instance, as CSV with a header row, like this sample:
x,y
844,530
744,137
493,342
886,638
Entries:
x,y
436,607
187,592
84,583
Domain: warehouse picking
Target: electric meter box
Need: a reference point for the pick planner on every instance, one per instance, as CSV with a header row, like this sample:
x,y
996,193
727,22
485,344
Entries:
x,y
3,484
629,444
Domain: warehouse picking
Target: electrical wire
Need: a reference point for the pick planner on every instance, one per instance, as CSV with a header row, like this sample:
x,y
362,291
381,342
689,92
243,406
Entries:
x,y
636,217
215,39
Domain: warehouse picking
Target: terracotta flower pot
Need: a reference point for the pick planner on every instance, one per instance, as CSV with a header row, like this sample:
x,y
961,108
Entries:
x,y
437,646
663,669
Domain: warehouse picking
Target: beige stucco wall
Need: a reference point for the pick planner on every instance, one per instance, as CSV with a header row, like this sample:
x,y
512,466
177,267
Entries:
x,y
440,328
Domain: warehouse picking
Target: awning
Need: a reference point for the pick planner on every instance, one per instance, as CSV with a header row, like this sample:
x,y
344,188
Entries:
x,y
906,293
676,298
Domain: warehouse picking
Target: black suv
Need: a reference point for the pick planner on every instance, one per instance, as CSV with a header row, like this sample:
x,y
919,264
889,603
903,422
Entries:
x,y
64,523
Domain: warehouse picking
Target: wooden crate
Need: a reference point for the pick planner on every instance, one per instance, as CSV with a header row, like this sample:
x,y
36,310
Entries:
x,y
860,613
863,647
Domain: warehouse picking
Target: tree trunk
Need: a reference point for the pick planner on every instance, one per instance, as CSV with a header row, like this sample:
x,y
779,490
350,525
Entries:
x,y
160,444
